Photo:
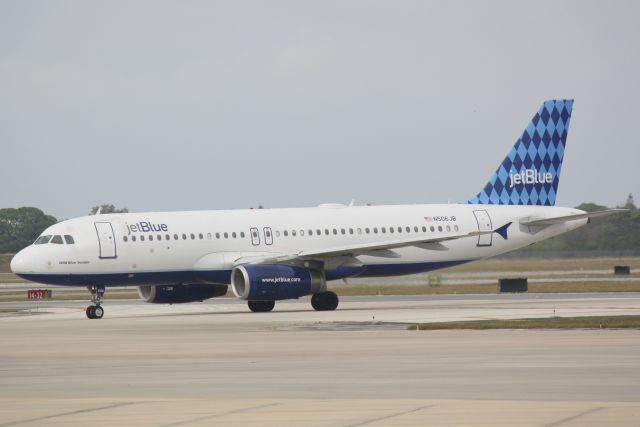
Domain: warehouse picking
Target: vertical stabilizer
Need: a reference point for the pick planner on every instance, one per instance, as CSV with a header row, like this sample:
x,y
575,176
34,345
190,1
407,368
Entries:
x,y
530,173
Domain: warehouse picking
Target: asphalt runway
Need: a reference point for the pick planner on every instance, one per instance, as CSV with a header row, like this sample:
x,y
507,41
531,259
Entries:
x,y
215,363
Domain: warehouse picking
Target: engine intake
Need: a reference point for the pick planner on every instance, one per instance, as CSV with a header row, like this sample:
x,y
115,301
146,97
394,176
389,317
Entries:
x,y
176,294
275,282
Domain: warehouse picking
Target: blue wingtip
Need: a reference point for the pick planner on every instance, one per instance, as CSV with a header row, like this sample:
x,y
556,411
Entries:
x,y
502,231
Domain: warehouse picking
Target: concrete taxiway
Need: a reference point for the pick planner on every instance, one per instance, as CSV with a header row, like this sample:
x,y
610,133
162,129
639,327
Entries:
x,y
216,363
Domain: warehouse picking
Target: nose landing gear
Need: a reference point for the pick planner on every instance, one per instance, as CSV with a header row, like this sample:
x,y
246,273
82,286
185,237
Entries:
x,y
96,311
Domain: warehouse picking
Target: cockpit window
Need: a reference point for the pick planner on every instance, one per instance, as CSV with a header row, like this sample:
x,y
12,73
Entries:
x,y
57,240
69,239
42,240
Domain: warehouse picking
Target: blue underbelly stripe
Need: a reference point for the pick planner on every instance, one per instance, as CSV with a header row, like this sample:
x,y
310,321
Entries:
x,y
224,276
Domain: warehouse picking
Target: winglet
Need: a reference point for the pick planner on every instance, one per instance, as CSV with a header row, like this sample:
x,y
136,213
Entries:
x,y
502,231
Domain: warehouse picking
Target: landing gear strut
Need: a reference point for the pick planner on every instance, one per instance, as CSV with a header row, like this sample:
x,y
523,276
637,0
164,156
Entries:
x,y
324,301
96,311
261,306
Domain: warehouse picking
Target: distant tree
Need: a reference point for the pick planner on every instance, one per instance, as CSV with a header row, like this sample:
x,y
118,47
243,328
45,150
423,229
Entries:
x,y
630,203
107,209
20,227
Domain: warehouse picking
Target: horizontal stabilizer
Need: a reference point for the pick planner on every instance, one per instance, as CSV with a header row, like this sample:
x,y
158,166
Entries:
x,y
566,218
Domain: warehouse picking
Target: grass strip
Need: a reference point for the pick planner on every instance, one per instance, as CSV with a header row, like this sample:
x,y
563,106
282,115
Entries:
x,y
369,290
595,322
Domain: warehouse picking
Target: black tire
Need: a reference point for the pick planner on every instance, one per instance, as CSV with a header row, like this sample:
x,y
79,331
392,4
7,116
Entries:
x,y
325,301
261,306
331,301
316,302
89,312
98,312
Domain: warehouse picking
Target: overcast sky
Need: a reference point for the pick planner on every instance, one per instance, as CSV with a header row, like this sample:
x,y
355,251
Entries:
x,y
187,105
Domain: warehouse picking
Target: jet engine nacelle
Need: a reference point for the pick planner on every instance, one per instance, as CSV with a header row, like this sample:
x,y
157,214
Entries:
x,y
275,282
176,294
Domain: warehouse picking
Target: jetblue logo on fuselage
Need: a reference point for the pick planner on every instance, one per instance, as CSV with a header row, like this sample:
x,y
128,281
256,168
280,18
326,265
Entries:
x,y
146,227
529,176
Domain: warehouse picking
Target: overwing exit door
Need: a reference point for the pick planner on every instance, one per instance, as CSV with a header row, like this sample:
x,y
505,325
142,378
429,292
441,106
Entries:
x,y
106,240
255,236
484,224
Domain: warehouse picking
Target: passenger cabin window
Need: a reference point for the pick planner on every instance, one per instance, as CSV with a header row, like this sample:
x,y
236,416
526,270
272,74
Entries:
x,y
69,239
133,238
57,240
242,234
200,236
142,238
125,238
42,240
151,237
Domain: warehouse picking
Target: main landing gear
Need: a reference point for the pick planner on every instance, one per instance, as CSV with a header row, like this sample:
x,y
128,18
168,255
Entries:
x,y
95,311
261,306
324,301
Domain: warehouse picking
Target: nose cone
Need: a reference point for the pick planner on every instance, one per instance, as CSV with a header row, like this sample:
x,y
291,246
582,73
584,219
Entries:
x,y
19,263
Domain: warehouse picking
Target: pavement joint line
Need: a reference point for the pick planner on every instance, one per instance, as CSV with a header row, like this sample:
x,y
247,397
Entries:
x,y
573,417
64,414
386,417
223,414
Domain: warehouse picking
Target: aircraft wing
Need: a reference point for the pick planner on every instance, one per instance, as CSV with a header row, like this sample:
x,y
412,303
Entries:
x,y
566,218
382,249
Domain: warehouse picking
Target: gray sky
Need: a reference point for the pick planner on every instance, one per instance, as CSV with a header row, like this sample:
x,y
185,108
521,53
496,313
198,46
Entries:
x,y
210,105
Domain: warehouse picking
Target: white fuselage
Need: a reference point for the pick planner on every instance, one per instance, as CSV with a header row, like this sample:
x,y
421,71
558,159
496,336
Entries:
x,y
203,246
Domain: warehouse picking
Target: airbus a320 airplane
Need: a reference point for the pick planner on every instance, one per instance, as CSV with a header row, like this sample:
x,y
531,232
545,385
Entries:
x,y
268,255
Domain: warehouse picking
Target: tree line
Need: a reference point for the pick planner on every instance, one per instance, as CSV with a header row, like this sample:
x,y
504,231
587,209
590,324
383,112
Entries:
x,y
20,227
617,234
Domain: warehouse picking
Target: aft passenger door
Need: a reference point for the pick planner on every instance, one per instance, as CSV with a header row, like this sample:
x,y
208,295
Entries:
x,y
484,224
106,240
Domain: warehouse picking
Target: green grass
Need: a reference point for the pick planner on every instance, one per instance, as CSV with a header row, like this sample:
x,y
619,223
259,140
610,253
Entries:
x,y
356,290
604,322
554,287
112,294
5,260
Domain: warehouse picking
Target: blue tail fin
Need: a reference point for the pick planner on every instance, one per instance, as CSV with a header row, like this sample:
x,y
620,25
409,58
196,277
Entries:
x,y
530,173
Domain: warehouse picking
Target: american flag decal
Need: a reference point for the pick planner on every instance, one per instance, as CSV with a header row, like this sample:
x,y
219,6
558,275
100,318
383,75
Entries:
x,y
428,218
